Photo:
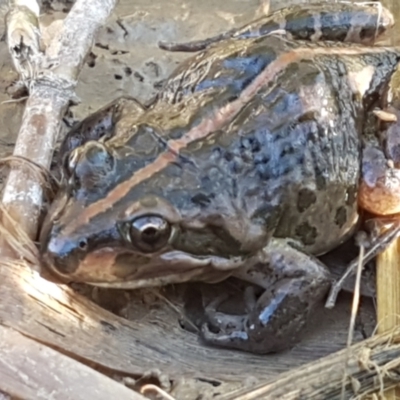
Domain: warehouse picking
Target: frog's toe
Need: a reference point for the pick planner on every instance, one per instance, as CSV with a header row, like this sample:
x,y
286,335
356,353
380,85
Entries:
x,y
220,322
236,338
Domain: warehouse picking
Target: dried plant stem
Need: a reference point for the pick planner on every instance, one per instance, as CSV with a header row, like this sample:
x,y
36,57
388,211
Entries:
x,y
25,382
50,93
354,310
388,295
388,262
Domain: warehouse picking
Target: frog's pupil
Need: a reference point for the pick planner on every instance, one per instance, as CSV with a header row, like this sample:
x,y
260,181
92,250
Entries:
x,y
149,234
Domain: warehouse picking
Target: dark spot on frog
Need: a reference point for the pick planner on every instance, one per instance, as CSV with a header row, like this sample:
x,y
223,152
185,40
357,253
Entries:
x,y
341,216
265,29
287,149
250,143
327,21
128,71
270,215
306,233
371,31
261,159
351,195
308,116
118,77
202,199
292,69
305,199
303,26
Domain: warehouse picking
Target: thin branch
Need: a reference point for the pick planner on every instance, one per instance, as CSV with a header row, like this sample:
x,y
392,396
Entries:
x,y
51,91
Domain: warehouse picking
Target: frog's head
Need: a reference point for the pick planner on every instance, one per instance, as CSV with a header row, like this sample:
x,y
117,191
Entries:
x,y
139,214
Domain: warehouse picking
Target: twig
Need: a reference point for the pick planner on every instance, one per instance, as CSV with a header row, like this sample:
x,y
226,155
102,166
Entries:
x,y
378,246
51,91
150,387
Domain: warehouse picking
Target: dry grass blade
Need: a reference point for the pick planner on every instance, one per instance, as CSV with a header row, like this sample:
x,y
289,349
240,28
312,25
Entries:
x,y
163,394
16,238
17,355
40,173
378,245
51,91
354,309
372,365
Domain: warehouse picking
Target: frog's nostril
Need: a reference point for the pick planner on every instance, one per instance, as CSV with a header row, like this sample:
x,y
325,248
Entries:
x,y
83,244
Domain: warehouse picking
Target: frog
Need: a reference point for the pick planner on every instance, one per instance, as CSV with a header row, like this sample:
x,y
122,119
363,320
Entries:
x,y
246,164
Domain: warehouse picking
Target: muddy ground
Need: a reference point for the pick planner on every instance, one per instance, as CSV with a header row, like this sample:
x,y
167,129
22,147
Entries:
x,y
126,61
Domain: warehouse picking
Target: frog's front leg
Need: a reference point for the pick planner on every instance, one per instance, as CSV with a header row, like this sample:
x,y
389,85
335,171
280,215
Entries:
x,y
379,191
293,282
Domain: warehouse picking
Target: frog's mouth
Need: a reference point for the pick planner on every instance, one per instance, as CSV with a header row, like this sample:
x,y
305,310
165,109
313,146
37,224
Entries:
x,y
116,268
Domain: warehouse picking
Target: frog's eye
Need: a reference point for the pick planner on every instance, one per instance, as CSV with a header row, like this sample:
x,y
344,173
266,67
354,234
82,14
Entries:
x,y
149,233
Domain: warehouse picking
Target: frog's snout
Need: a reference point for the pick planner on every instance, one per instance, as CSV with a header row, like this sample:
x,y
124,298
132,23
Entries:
x,y
61,255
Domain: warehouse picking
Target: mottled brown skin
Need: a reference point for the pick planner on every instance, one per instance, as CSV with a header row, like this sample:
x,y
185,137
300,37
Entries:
x,y
247,164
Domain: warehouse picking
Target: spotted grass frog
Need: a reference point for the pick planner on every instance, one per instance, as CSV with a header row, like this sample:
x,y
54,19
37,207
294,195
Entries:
x,y
247,163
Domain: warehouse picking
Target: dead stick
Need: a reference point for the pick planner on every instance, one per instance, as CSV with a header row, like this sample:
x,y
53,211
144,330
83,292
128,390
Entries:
x,y
50,94
58,318
388,264
25,373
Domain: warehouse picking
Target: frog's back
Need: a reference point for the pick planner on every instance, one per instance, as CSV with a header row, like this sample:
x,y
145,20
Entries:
x,y
278,140
291,157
